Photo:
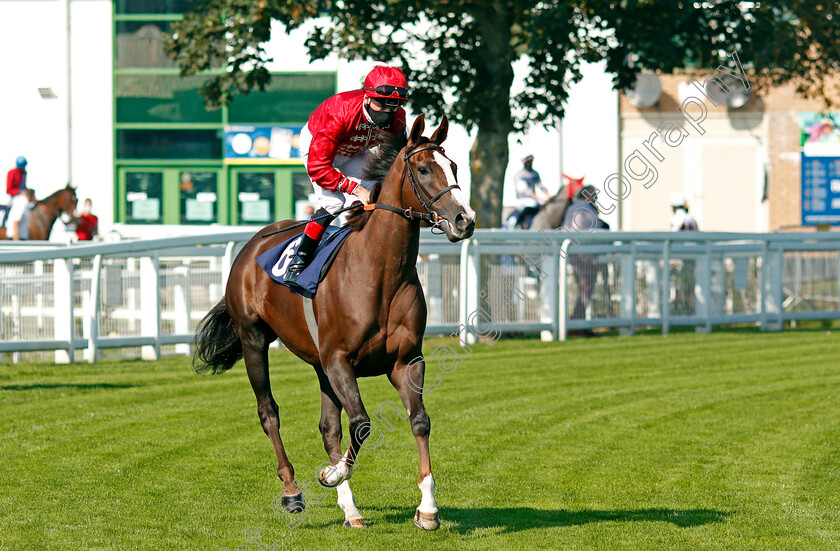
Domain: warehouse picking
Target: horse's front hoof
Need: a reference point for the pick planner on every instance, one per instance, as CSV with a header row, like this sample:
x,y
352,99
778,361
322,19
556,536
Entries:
x,y
355,523
332,478
293,504
426,521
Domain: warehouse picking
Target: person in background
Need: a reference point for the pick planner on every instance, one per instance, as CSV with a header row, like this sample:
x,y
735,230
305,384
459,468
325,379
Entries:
x,y
15,182
16,178
683,272
682,220
87,224
582,216
530,192
17,223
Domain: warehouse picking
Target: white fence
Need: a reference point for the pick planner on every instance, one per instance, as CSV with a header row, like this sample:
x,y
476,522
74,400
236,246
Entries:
x,y
145,297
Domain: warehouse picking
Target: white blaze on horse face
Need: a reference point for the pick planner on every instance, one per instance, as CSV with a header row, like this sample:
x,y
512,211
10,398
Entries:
x,y
457,196
427,490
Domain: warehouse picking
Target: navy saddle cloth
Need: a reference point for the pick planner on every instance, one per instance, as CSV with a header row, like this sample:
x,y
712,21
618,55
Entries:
x,y
276,260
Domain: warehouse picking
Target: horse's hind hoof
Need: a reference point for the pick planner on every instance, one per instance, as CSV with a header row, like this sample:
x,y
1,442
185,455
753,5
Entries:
x,y
426,521
355,523
293,504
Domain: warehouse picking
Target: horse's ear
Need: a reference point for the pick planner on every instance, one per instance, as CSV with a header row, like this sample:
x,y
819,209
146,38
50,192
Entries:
x,y
417,129
440,134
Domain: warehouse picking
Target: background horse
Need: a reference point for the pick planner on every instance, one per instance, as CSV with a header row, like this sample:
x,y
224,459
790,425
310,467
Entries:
x,y
47,211
370,313
550,216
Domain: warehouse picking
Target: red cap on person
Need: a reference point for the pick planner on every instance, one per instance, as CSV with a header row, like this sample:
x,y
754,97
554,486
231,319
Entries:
x,y
386,82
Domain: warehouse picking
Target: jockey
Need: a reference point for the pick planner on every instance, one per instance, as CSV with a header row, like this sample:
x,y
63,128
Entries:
x,y
334,145
16,178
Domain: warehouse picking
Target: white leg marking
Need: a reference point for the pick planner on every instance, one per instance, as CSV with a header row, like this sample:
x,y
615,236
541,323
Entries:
x,y
451,181
427,490
347,501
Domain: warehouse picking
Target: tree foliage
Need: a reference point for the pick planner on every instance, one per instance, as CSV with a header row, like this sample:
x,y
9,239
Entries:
x,y
459,55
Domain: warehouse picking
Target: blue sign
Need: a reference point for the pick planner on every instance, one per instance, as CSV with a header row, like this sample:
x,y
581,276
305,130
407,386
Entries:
x,y
262,143
820,190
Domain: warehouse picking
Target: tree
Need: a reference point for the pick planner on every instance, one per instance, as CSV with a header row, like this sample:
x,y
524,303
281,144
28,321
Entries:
x,y
459,56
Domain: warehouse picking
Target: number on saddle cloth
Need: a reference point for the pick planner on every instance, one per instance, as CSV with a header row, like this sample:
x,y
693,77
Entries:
x,y
276,261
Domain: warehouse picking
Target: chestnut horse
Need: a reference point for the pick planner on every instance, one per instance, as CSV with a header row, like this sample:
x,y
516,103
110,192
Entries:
x,y
46,212
370,314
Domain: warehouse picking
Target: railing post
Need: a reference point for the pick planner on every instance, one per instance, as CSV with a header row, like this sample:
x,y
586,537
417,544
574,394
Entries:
x,y
38,272
227,263
628,291
181,276
550,306
703,291
64,323
666,287
17,323
469,279
150,305
434,288
92,313
2,333
563,307
772,309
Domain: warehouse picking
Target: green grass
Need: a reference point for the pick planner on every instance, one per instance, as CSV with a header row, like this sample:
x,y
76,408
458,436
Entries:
x,y
721,441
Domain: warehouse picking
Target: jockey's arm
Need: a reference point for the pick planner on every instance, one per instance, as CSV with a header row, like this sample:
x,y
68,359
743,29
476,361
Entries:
x,y
319,164
541,193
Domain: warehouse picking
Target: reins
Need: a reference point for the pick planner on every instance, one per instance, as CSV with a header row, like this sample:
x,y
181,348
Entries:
x,y
409,213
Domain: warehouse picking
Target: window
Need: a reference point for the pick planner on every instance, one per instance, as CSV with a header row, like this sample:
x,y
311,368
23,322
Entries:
x,y
199,197
144,196
174,7
169,144
255,198
162,99
287,98
140,44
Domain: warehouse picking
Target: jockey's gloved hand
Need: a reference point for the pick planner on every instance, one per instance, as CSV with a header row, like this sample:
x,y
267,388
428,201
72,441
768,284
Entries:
x,y
362,194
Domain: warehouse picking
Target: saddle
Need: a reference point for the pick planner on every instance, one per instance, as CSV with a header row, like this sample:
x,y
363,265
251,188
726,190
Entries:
x,y
276,260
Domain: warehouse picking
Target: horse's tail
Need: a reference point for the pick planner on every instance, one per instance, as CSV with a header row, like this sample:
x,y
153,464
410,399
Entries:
x,y
217,346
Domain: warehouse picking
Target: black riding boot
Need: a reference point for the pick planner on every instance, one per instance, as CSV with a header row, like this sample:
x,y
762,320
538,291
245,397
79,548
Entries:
x,y
305,252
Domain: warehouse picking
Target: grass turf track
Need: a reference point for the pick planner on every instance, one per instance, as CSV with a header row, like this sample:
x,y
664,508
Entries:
x,y
721,441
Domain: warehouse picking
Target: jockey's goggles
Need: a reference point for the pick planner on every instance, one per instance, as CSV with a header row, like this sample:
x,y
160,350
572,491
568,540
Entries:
x,y
388,92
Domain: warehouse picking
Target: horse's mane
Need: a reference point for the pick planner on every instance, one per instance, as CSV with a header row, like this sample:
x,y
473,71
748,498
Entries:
x,y
55,194
379,163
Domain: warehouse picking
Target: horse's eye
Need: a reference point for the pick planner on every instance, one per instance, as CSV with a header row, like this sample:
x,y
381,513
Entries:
x,y
422,170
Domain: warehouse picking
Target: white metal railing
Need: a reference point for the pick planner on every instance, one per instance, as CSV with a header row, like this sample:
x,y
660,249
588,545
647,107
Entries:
x,y
145,297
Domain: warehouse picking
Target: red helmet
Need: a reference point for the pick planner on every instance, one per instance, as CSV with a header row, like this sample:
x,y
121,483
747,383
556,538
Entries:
x,y
387,83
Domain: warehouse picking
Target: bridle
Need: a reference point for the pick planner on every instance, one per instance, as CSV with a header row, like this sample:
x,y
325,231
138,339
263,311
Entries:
x,y
426,201
418,191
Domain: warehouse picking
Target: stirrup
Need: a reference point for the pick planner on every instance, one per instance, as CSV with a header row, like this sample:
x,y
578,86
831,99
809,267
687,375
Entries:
x,y
296,266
